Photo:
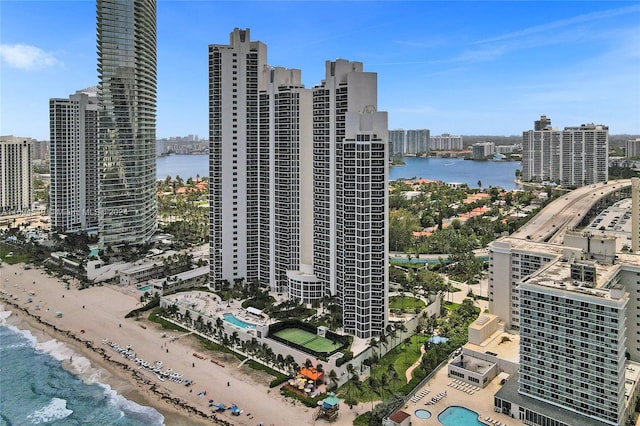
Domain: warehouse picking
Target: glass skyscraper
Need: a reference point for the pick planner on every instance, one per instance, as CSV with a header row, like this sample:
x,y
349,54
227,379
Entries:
x,y
127,120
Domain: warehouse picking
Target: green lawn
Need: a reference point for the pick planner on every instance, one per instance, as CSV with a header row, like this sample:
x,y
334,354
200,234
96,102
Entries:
x,y
17,257
307,339
405,303
450,306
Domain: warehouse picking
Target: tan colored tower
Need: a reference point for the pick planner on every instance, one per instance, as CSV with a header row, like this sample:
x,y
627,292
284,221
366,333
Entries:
x,y
635,214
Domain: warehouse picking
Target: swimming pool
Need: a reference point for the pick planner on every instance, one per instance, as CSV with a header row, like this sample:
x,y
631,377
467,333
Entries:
x,y
459,416
235,321
422,414
145,288
438,339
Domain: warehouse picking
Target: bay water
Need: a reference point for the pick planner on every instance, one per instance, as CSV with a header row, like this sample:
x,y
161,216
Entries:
x,y
449,170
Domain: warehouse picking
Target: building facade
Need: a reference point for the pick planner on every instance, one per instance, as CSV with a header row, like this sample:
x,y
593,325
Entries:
x,y
510,261
234,168
397,138
127,90
572,348
446,142
286,145
16,175
417,141
575,156
482,150
350,140
73,199
577,319
632,148
298,181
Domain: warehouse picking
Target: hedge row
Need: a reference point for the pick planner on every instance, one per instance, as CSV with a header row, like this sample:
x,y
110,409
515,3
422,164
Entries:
x,y
154,303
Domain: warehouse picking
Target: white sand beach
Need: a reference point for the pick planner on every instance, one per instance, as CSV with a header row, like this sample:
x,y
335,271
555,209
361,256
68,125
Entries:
x,y
89,316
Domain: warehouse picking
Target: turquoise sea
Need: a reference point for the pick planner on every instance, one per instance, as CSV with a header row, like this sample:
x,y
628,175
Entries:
x,y
36,389
490,173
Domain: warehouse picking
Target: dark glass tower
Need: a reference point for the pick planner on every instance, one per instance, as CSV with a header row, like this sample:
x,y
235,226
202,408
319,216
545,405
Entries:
x,y
127,120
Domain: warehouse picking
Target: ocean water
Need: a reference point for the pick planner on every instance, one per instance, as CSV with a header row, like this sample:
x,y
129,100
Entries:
x,y
36,389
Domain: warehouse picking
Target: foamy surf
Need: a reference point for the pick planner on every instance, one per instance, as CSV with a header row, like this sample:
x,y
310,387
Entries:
x,y
45,388
145,415
55,410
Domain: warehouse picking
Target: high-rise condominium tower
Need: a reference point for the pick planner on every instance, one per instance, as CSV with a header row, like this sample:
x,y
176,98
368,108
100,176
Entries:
x,y
397,139
127,120
73,197
298,181
575,156
350,195
236,219
16,174
261,207
418,141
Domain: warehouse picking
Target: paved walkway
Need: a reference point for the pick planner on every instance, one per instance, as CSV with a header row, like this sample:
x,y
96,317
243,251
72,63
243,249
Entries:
x,y
414,365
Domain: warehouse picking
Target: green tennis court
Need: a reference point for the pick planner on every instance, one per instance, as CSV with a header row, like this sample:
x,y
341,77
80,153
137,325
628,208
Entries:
x,y
307,339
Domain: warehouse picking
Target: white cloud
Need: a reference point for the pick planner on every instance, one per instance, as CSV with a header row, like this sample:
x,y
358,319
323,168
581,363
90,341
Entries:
x,y
26,57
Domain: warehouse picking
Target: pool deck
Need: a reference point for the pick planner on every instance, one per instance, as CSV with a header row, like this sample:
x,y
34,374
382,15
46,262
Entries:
x,y
481,401
211,305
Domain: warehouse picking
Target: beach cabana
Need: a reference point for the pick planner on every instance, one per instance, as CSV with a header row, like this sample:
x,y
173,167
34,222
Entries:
x,y
311,373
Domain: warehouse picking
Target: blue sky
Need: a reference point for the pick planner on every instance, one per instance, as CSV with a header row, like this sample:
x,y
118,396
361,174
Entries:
x,y
460,67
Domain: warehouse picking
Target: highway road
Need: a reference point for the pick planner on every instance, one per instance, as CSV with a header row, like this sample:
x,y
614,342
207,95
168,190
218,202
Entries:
x,y
566,212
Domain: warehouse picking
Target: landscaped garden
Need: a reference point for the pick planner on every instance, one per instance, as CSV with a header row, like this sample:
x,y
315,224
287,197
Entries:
x,y
406,303
387,382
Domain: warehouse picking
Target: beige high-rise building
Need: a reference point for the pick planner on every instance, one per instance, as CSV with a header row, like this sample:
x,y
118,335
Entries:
x,y
632,148
16,175
575,156
73,200
298,181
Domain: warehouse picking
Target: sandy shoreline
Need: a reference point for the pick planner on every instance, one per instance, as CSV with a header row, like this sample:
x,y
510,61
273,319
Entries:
x,y
91,315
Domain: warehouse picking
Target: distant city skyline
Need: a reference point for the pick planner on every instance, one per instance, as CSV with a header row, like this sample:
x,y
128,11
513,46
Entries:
x,y
465,68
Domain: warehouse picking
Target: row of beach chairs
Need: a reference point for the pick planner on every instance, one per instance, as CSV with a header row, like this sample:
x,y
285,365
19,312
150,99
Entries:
x,y
419,395
464,387
494,422
436,398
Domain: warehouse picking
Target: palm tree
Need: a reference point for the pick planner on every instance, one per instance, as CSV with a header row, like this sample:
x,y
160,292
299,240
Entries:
x,y
401,327
374,385
289,361
392,333
333,376
407,344
280,361
384,382
374,345
353,386
383,340
219,326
